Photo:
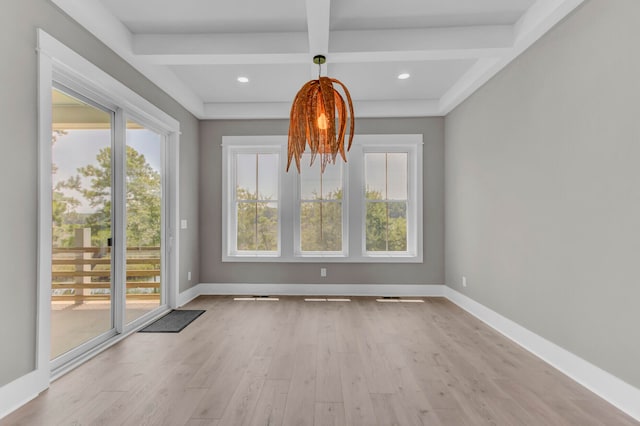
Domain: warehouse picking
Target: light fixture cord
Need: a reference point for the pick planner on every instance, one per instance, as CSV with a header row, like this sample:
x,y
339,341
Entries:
x,y
319,69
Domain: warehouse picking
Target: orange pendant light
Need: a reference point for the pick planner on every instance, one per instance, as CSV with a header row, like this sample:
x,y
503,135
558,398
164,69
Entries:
x,y
318,120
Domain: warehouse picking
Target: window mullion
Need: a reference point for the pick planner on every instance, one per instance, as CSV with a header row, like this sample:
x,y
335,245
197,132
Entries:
x,y
255,221
321,199
289,207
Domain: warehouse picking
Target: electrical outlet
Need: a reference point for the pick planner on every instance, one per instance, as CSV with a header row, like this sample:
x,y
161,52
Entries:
x,y
189,275
323,272
464,281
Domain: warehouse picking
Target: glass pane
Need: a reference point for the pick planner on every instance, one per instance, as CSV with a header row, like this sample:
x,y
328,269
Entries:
x,y
397,176
376,226
246,223
257,221
332,182
386,226
375,179
144,220
267,229
310,179
268,177
397,234
321,226
315,185
246,168
81,223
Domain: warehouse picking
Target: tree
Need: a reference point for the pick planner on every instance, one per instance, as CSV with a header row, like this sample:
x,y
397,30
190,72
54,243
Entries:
x,y
386,223
63,205
143,199
321,223
257,222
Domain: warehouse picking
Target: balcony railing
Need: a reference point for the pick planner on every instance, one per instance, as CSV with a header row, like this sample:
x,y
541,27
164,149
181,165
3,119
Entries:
x,y
83,273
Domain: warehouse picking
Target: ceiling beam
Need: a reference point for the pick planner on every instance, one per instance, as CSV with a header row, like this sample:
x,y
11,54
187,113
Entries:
x,y
449,38
345,47
221,44
417,55
318,21
280,110
227,59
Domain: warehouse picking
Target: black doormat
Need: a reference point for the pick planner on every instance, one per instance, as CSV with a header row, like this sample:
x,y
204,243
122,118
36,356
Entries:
x,y
173,322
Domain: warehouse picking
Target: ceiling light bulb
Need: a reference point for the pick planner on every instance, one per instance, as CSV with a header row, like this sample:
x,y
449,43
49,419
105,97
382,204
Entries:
x,y
403,76
243,79
322,122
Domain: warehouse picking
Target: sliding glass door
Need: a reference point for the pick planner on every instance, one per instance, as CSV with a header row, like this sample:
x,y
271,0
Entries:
x,y
82,263
144,220
108,224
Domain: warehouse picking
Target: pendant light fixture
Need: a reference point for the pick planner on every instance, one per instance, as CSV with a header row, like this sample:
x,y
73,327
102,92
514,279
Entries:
x,y
318,120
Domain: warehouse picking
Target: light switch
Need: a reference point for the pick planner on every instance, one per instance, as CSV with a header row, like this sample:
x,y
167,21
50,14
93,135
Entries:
x,y
183,224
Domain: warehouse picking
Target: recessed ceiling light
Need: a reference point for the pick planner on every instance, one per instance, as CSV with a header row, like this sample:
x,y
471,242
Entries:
x,y
403,76
243,79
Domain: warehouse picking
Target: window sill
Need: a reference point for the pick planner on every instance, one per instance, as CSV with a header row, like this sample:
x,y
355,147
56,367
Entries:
x,y
325,259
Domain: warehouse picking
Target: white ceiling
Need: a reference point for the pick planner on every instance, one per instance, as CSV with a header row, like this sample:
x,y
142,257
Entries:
x,y
196,49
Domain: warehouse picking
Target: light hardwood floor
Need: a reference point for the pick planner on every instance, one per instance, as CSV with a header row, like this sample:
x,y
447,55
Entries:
x,y
319,363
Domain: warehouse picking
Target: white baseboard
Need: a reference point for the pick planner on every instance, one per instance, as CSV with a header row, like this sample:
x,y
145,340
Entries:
x,y
604,384
15,394
417,290
188,295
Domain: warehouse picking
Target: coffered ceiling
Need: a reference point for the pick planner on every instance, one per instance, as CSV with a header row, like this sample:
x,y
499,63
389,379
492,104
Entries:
x,y
196,50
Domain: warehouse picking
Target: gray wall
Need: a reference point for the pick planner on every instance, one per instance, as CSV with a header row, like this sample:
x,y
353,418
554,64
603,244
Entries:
x,y
18,163
212,270
543,193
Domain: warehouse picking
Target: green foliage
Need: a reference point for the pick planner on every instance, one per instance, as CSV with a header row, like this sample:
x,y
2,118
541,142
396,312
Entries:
x,y
320,223
386,223
63,214
143,202
321,226
64,217
257,223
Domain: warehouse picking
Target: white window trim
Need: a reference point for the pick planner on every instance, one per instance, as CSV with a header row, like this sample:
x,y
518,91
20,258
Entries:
x,y
354,248
413,147
230,148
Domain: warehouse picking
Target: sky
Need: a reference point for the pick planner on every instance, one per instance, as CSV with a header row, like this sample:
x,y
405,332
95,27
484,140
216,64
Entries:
x,y
384,173
79,148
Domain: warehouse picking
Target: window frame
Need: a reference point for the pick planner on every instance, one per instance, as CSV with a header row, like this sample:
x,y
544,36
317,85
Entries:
x,y
231,147
297,230
353,203
375,144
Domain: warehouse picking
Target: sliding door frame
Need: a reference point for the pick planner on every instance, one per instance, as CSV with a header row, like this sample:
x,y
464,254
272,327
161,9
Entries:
x,y
121,324
58,63
66,86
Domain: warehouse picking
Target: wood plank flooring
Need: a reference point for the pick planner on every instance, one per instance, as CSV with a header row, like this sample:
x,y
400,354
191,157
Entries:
x,y
319,363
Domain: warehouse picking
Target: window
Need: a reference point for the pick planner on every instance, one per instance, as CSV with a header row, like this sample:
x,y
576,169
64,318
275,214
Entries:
x,y
386,199
368,210
320,209
254,192
256,202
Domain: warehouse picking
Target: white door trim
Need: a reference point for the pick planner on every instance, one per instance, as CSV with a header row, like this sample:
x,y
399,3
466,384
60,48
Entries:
x,y
55,60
